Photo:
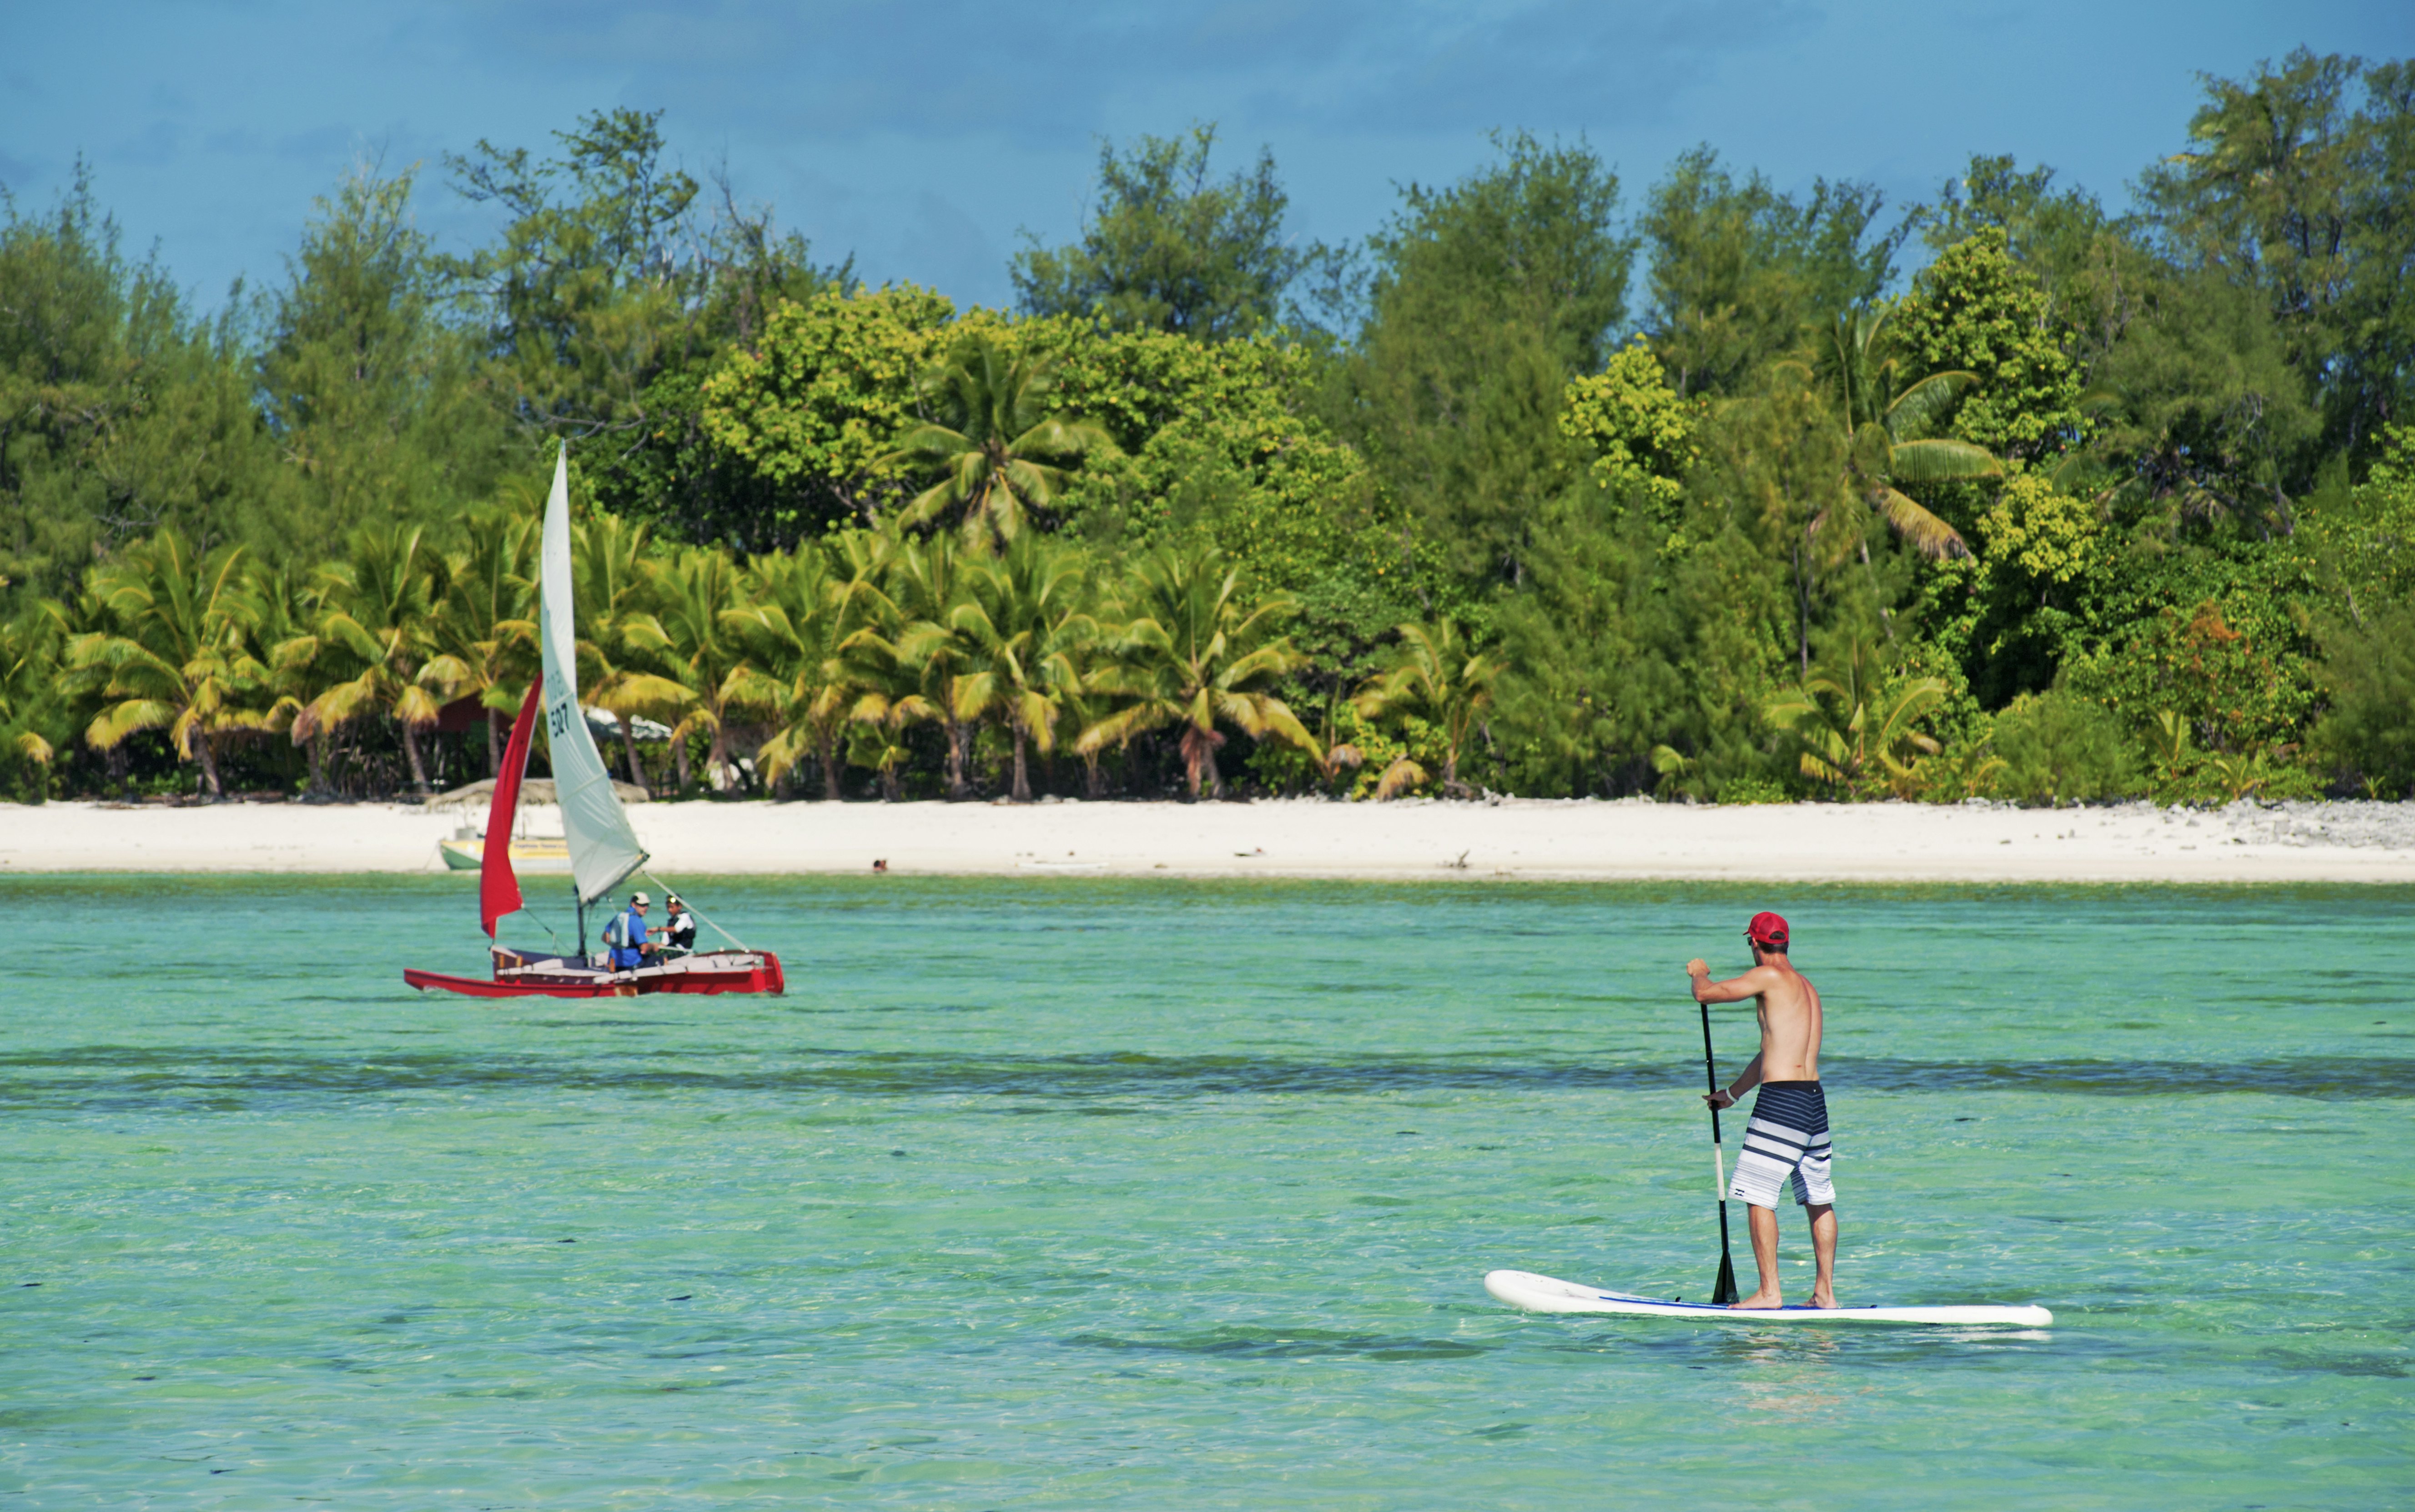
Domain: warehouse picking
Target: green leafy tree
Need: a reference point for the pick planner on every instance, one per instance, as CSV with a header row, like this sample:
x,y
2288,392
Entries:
x,y
1192,656
2058,748
2237,667
1220,443
2057,236
1738,270
2297,187
176,655
2199,416
1486,296
1975,310
1595,645
1641,434
2369,670
617,288
589,282
1001,448
815,408
1167,247
2038,590
119,412
367,389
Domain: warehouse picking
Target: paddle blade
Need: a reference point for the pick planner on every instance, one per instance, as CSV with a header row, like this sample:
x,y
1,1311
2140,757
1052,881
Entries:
x,y
1724,1293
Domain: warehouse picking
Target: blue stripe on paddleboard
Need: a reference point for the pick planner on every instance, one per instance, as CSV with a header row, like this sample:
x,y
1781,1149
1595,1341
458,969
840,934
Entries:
x,y
1713,1307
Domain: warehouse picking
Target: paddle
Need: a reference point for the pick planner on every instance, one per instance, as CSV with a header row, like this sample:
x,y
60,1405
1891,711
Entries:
x,y
1725,1291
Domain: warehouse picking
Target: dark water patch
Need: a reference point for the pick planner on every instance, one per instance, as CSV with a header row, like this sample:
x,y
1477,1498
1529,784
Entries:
x,y
124,1077
1254,1343
2388,1366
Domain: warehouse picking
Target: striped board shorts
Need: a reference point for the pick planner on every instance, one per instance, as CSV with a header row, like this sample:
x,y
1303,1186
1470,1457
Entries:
x,y
1786,1139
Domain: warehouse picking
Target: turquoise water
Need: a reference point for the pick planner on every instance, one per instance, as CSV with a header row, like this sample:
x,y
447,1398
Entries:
x,y
1081,1194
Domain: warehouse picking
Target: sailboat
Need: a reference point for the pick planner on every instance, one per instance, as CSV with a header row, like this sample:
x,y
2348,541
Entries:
x,y
604,850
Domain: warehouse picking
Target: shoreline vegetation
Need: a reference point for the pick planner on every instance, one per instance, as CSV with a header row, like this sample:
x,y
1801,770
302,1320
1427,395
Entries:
x,y
1724,493
1444,840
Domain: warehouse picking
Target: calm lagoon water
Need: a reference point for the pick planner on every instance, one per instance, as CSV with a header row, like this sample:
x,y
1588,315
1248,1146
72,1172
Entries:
x,y
1080,1194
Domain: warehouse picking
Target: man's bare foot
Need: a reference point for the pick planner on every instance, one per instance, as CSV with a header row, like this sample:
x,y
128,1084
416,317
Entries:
x,y
1821,1297
1758,1301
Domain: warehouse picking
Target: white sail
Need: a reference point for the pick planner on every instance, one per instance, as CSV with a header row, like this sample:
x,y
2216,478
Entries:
x,y
603,848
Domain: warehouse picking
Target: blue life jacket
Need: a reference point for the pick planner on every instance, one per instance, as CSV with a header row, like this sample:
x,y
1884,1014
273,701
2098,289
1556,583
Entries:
x,y
623,935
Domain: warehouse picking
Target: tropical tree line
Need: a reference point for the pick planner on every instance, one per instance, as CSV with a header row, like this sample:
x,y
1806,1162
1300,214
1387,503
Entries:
x,y
830,670
1738,494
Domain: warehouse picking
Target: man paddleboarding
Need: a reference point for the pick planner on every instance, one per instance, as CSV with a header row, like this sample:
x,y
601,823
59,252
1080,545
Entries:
x,y
1787,1139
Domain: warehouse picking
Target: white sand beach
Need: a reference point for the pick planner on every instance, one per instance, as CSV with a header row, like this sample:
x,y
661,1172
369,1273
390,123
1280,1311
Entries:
x,y
1516,838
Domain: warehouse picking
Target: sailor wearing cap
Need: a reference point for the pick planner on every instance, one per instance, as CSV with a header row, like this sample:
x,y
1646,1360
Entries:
x,y
678,929
629,941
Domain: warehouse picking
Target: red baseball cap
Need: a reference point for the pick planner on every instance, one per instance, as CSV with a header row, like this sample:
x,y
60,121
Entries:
x,y
1767,928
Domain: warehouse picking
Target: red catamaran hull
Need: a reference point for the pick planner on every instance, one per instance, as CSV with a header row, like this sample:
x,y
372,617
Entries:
x,y
760,973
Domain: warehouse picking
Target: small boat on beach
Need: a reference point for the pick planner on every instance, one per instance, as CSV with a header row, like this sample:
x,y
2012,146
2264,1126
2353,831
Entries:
x,y
598,848
467,852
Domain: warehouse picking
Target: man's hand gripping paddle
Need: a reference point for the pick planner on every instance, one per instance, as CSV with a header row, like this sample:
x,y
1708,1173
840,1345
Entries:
x,y
1724,1293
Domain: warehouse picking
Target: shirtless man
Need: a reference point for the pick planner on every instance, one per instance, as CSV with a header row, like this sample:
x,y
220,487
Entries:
x,y
1788,1135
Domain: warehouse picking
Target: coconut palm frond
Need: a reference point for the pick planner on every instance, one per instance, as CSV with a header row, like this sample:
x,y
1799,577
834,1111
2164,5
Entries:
x,y
1399,777
1918,410
1941,461
1933,537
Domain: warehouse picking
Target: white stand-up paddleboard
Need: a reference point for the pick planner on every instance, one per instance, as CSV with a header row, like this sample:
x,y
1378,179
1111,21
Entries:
x,y
1542,1293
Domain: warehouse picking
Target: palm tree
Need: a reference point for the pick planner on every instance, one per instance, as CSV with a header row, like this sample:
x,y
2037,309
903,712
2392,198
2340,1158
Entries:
x,y
29,656
1193,657
609,583
1858,726
376,626
1890,418
1021,622
884,682
487,620
177,656
1002,450
884,668
1437,676
795,617
698,600
911,634
285,605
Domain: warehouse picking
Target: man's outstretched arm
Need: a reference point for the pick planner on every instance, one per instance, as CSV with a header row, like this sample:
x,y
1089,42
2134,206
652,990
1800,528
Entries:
x,y
1751,984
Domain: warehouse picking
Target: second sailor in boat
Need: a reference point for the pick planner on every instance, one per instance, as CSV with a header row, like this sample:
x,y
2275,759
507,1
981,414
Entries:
x,y
678,930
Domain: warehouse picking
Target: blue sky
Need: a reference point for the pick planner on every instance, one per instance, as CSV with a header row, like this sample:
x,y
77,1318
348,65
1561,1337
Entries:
x,y
923,138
